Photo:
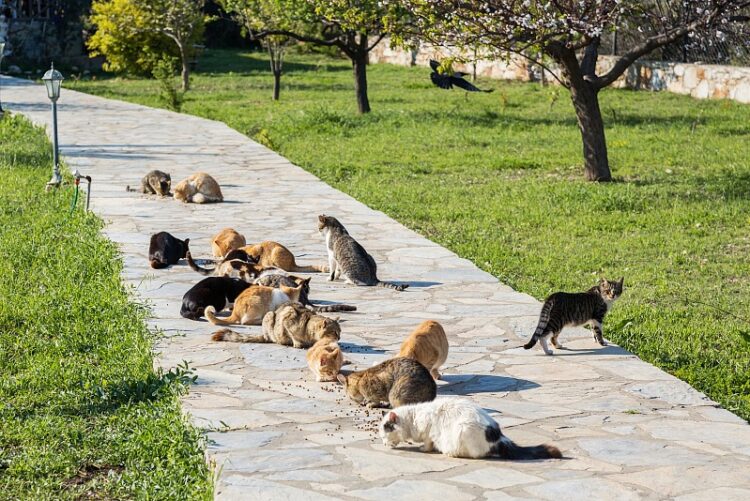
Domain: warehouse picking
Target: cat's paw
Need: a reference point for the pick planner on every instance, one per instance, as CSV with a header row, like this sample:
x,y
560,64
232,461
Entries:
x,y
550,353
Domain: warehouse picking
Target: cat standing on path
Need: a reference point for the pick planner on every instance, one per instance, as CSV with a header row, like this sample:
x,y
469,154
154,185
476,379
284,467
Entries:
x,y
428,345
562,309
347,258
457,428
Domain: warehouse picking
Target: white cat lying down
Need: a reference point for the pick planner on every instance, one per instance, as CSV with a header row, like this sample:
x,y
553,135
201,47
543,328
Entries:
x,y
458,428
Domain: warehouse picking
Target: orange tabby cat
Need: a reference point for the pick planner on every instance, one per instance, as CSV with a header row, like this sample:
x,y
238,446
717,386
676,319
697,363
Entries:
x,y
428,345
325,359
253,303
274,255
226,240
200,188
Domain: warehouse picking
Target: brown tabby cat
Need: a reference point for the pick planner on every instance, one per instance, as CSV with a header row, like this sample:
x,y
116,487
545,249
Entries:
x,y
290,325
325,359
226,240
253,303
274,255
199,188
395,382
562,309
346,257
155,182
427,345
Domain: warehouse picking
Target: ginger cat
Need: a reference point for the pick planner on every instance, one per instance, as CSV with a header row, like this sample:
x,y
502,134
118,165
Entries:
x,y
428,345
199,188
253,303
325,359
226,240
274,255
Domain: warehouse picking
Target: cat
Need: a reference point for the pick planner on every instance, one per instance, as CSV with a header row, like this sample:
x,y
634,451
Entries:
x,y
427,345
164,249
273,278
274,255
325,359
253,303
236,264
225,241
199,188
155,182
457,428
562,309
348,258
218,292
289,325
395,382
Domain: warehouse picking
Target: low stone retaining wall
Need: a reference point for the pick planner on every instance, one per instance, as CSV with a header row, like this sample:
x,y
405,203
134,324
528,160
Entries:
x,y
703,81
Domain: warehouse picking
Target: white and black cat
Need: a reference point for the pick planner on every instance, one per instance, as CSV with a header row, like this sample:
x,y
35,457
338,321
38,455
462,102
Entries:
x,y
457,428
562,309
347,258
219,292
165,249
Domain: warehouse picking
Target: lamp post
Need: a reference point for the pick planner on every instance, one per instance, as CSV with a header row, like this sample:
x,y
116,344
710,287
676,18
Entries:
x,y
2,52
53,80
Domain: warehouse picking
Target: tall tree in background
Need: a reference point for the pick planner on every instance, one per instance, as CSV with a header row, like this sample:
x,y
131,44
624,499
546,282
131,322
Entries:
x,y
259,15
354,27
563,30
181,21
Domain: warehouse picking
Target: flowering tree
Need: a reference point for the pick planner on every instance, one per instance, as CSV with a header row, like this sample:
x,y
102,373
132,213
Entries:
x,y
568,32
352,26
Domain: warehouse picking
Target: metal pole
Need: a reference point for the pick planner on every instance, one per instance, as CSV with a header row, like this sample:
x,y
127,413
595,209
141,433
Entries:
x,y
56,177
2,51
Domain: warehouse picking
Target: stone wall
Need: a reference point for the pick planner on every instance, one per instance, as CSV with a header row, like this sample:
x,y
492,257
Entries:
x,y
703,81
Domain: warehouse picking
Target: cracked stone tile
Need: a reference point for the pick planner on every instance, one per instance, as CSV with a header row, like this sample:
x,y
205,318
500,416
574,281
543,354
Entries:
x,y
584,489
495,478
417,490
372,465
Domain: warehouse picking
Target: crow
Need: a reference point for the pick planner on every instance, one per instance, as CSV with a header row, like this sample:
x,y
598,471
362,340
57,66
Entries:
x,y
444,77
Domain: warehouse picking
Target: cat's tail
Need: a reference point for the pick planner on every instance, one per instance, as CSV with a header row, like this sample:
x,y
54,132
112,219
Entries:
x,y
330,308
210,314
132,190
237,337
390,285
505,448
194,266
541,326
313,268
200,198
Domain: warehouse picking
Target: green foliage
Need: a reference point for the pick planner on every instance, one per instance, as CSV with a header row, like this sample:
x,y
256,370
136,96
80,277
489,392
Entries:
x,y
169,93
122,36
498,184
83,414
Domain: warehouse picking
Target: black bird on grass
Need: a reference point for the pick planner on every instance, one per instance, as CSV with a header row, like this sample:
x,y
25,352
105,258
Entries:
x,y
444,77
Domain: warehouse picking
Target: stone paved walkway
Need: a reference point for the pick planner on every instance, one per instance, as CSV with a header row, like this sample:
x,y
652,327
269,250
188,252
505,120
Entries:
x,y
629,430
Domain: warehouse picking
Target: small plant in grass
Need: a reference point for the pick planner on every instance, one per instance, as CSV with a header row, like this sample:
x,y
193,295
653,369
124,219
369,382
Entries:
x,y
169,92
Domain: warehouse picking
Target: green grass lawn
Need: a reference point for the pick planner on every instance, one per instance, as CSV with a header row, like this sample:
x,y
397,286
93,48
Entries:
x,y
82,414
498,179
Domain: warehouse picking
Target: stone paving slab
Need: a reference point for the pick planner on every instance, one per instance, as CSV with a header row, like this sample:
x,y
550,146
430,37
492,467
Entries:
x,y
627,429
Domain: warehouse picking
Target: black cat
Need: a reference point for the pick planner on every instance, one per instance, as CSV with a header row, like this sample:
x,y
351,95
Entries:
x,y
219,292
165,249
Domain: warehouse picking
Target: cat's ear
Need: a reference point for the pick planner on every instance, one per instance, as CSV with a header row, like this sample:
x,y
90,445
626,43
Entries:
x,y
622,279
341,378
323,360
322,218
392,417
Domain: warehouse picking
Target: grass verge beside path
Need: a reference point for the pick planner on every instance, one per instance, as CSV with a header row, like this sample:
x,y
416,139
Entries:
x,y
497,178
82,414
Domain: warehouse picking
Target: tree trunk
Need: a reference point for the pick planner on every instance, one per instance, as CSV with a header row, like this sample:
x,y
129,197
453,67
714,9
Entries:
x,y
586,103
276,84
359,64
185,68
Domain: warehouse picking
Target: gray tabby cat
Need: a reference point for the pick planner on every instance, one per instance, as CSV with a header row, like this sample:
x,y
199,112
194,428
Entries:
x,y
562,309
348,258
276,277
155,182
